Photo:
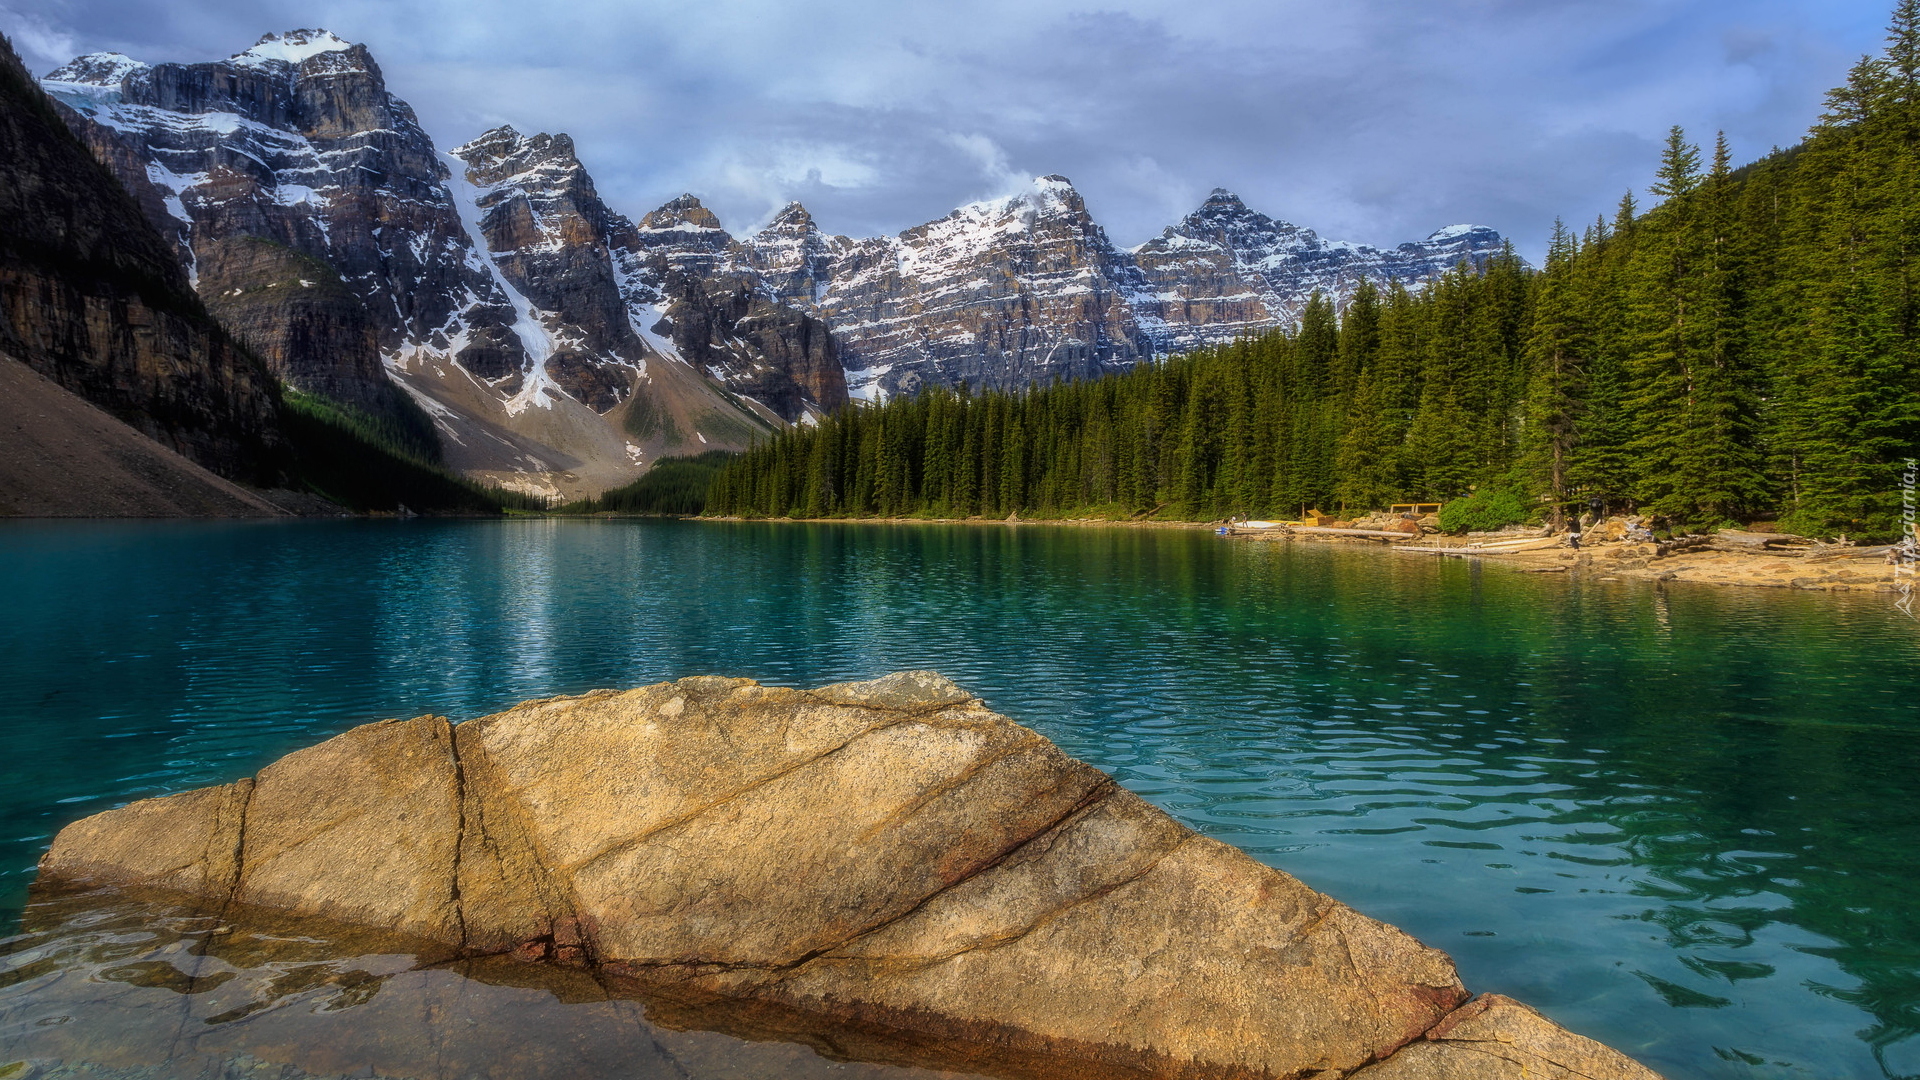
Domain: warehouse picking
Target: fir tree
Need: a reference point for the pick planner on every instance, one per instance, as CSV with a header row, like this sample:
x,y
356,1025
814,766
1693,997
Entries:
x,y
1751,342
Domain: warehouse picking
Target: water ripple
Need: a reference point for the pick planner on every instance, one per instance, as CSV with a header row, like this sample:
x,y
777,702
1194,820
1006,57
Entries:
x,y
1685,821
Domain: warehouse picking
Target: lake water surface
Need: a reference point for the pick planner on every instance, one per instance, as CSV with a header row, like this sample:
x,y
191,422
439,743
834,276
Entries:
x,y
1683,820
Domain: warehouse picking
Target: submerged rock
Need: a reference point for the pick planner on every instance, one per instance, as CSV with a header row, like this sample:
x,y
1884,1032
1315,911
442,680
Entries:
x,y
886,861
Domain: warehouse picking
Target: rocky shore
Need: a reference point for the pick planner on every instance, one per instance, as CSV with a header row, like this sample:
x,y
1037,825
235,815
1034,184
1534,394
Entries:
x,y
1610,551
1707,566
1608,559
885,865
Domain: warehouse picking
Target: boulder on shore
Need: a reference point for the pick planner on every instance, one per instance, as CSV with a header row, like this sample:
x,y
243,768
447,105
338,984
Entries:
x,y
887,858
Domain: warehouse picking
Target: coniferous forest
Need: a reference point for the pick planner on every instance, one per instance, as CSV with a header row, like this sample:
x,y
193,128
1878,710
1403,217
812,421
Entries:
x,y
1749,346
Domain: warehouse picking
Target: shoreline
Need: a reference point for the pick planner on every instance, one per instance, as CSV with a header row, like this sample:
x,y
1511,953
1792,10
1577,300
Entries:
x,y
1078,523
1628,561
1608,561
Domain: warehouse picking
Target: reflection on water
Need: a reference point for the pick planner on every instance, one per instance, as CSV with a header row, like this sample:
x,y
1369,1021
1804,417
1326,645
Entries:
x,y
1683,821
117,989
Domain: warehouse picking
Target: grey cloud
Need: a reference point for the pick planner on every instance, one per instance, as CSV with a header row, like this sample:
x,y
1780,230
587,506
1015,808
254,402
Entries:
x,y
1371,120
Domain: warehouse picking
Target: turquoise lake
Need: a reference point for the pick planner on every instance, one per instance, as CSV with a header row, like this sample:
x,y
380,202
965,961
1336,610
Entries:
x,y
1682,820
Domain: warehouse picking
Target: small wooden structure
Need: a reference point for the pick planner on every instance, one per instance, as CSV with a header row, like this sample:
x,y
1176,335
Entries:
x,y
1314,518
1416,509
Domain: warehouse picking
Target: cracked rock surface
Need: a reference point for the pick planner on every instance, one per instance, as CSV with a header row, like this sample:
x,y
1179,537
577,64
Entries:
x,y
888,859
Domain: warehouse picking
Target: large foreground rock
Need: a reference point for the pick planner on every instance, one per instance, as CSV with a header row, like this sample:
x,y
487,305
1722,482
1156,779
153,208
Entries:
x,y
888,860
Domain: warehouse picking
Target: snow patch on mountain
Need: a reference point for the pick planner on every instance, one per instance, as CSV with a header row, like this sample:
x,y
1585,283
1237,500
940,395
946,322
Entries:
x,y
292,47
529,325
94,78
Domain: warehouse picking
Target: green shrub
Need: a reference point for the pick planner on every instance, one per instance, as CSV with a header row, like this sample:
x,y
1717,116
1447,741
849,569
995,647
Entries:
x,y
1483,511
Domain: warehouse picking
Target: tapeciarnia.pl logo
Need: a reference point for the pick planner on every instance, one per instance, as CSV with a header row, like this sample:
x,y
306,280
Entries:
x,y
1908,551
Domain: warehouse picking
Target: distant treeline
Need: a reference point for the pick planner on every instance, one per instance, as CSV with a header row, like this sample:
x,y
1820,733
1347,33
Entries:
x,y
675,485
364,462
1750,345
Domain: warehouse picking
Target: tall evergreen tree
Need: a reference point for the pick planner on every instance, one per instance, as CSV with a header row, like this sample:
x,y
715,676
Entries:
x,y
1751,342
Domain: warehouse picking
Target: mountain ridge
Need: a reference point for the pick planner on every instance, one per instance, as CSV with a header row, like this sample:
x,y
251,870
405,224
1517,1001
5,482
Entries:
x,y
560,346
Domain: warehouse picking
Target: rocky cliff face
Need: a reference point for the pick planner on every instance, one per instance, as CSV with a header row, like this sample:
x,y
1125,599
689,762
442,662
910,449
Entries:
x,y
686,273
297,141
486,290
1028,288
527,316
547,231
883,865
728,363
91,298
793,257
1002,293
297,314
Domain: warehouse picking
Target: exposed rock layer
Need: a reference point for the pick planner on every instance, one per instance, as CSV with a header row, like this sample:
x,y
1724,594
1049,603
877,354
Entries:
x,y
299,317
1003,293
605,287
680,264
547,231
91,298
522,313
1028,288
888,858
1225,269
291,161
297,140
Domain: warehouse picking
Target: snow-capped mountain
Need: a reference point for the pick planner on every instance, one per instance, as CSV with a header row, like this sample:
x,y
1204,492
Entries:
x,y
1027,288
560,347
94,300
1225,269
1000,293
545,233
323,228
682,267
296,141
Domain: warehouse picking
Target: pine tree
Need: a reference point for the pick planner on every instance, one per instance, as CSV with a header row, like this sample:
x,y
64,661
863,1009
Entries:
x,y
1751,341
1367,457
1557,388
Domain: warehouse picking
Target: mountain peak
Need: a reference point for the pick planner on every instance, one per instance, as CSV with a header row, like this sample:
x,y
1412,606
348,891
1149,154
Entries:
x,y
792,215
1221,203
96,69
1053,195
1224,219
493,140
684,212
292,47
1457,232
505,142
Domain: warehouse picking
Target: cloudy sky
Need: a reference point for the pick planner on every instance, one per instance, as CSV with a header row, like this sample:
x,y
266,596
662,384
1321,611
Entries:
x,y
1370,120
